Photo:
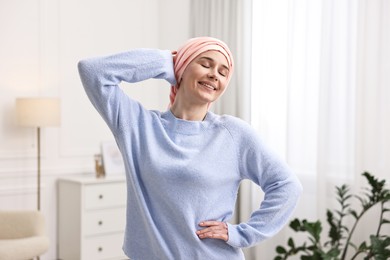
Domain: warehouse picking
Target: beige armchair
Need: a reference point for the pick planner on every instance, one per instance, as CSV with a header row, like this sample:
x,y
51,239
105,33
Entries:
x,y
22,235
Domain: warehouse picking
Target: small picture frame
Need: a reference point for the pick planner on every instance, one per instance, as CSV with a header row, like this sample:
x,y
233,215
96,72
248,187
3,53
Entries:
x,y
112,159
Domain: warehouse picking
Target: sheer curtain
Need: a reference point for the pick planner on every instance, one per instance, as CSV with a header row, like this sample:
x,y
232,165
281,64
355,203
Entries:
x,y
318,90
321,96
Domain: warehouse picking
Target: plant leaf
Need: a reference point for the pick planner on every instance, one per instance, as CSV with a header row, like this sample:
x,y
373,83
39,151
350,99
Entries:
x,y
345,228
291,243
296,225
379,246
315,256
353,213
281,250
385,221
332,253
314,229
363,246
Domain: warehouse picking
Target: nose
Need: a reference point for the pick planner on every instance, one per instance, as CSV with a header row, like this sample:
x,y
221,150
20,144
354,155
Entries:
x,y
212,75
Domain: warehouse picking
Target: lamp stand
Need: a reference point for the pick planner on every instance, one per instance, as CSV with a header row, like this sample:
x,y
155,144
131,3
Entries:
x,y
39,171
39,168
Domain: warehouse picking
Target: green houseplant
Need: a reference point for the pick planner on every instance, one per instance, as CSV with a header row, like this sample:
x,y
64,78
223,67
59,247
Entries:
x,y
339,235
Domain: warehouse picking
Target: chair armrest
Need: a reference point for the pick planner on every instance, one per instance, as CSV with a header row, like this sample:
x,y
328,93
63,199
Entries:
x,y
19,224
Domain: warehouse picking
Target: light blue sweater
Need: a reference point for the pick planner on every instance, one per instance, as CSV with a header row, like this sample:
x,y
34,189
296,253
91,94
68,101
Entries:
x,y
179,172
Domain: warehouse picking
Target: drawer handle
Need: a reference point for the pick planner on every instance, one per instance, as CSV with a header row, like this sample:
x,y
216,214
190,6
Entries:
x,y
100,249
101,196
100,222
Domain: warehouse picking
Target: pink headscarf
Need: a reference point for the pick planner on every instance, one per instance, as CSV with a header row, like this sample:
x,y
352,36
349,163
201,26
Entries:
x,y
190,50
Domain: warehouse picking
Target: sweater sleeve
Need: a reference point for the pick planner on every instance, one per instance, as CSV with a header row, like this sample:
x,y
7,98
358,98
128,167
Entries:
x,y
281,188
101,76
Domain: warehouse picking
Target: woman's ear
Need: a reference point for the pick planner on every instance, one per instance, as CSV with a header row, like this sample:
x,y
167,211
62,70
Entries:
x,y
178,83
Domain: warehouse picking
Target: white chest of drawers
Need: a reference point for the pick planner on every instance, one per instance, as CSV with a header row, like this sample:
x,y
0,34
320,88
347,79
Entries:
x,y
91,218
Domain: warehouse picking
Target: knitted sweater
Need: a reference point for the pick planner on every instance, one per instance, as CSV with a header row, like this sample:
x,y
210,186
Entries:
x,y
180,172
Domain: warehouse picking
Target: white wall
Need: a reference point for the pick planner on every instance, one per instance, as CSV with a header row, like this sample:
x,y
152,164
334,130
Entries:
x,y
41,43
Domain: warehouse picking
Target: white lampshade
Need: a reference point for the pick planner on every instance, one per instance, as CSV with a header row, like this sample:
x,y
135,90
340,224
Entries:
x,y
38,112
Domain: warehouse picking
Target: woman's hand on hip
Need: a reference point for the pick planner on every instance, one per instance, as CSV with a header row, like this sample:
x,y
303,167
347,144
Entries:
x,y
213,229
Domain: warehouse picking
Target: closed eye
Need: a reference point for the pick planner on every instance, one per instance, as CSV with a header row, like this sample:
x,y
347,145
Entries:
x,y
207,62
223,73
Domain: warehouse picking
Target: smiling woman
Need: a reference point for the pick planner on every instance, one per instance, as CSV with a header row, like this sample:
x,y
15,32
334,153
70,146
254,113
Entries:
x,y
211,61
184,166
203,81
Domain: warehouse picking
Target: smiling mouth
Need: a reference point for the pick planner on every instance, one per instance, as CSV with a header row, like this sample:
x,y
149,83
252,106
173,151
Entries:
x,y
208,86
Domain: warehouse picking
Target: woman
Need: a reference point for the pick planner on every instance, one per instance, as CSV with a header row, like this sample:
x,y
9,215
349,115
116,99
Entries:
x,y
184,165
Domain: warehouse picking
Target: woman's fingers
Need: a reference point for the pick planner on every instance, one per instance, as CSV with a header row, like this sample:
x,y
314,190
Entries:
x,y
213,229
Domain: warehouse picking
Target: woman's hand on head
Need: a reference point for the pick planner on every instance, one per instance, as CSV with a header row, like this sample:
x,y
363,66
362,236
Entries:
x,y
213,229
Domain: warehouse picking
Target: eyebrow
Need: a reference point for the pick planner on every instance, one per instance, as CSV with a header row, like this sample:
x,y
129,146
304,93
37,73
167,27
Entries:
x,y
211,59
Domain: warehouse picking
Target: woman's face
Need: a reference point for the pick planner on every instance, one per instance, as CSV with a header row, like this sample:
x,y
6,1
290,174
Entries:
x,y
205,78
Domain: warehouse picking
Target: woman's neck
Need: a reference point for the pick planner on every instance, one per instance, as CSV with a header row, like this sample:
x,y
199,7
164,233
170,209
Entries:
x,y
190,113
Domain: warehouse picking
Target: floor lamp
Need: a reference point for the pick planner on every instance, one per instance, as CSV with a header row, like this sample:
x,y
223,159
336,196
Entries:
x,y
38,112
